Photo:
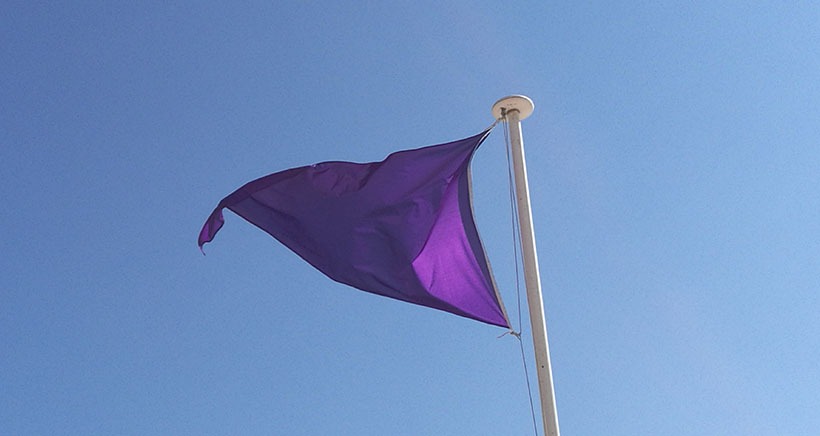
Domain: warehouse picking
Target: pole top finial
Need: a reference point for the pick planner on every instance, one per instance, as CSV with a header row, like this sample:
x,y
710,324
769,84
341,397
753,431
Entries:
x,y
520,103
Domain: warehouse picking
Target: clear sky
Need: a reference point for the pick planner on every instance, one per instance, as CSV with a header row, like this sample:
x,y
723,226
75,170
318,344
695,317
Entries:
x,y
674,159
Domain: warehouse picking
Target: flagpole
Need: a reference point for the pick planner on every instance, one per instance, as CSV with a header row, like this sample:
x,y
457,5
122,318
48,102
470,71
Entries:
x,y
515,108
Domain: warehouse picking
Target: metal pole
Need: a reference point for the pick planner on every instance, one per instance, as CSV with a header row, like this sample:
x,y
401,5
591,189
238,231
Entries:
x,y
515,108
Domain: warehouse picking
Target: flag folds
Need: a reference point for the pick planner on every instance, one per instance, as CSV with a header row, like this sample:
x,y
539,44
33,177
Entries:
x,y
402,228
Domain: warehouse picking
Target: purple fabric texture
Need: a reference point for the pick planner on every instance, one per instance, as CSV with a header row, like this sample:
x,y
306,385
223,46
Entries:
x,y
402,228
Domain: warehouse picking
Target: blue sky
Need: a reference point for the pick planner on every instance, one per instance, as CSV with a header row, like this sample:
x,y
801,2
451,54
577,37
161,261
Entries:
x,y
673,158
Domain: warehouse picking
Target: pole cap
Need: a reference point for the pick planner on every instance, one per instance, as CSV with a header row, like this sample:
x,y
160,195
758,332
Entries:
x,y
521,103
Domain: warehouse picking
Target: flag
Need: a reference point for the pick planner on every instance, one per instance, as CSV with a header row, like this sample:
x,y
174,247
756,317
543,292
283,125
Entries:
x,y
402,228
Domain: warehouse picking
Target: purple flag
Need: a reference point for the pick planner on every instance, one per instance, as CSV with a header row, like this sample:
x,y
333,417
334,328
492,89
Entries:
x,y
402,228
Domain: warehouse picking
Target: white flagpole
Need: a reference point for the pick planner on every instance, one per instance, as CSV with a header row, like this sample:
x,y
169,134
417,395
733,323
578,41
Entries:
x,y
515,108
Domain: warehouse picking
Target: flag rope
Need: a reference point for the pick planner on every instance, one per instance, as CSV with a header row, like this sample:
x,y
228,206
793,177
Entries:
x,y
516,260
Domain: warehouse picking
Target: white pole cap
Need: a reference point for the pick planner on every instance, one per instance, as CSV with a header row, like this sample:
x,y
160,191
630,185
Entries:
x,y
521,103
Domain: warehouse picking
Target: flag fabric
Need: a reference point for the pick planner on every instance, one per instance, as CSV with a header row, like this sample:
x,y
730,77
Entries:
x,y
402,228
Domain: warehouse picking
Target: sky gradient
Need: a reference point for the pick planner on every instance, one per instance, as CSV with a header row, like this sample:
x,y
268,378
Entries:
x,y
673,162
